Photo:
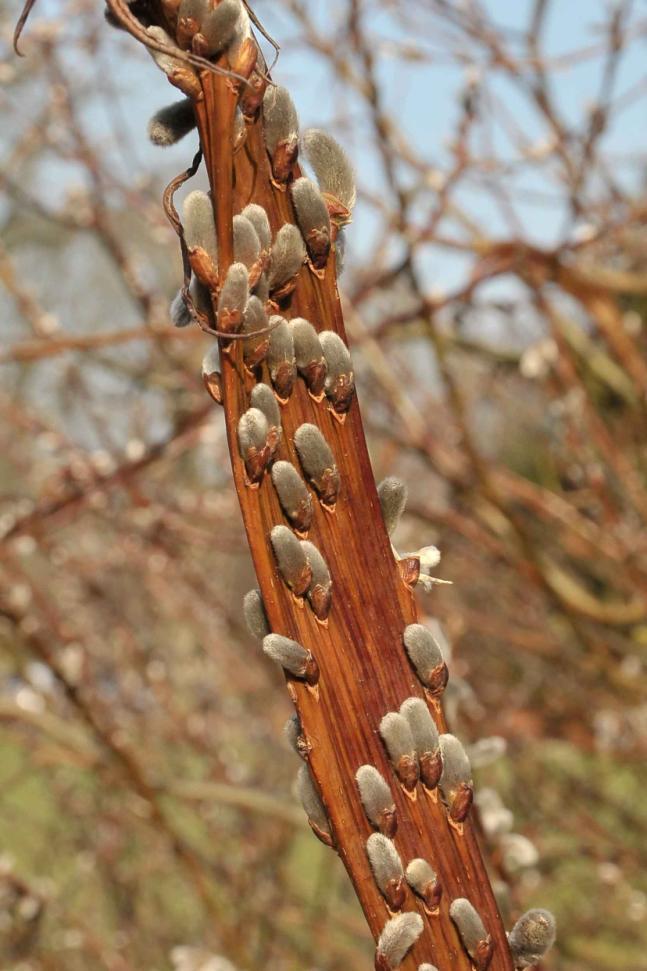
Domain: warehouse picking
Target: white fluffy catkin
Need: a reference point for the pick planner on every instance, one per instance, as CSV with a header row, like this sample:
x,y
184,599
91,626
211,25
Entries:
x,y
199,225
377,798
469,925
172,123
398,936
330,165
531,937
287,256
254,614
392,494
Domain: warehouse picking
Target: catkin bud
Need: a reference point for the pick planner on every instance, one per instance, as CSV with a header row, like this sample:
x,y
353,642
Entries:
x,y
398,935
247,248
253,432
426,657
254,614
456,779
422,879
314,807
309,354
340,379
217,26
179,312
293,733
392,494
200,237
333,172
170,124
474,937
211,374
255,319
292,656
313,220
263,398
291,560
317,462
258,218
397,737
387,869
320,589
286,259
531,937
294,497
377,799
262,289
233,298
179,73
281,131
280,358
426,740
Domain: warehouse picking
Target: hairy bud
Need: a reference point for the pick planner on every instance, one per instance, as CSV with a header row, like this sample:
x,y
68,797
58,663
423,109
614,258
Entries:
x,y
247,247
263,398
340,380
392,494
286,259
255,319
397,737
387,869
293,733
320,589
217,26
456,779
333,172
422,879
170,124
200,237
531,937
254,614
426,657
211,373
314,807
233,298
309,354
179,312
377,799
313,220
280,358
291,560
281,131
398,935
179,73
425,737
317,462
258,218
294,497
253,432
474,937
292,656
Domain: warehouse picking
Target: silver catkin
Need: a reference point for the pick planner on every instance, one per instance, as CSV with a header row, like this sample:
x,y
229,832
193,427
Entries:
x,y
286,257
311,801
172,123
330,165
291,559
531,937
281,130
307,347
179,312
340,377
377,798
293,494
258,218
320,589
288,653
456,779
218,26
254,614
423,728
254,320
233,297
426,656
313,220
317,461
392,494
280,357
199,225
397,737
262,397
247,246
398,936
384,859
470,927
